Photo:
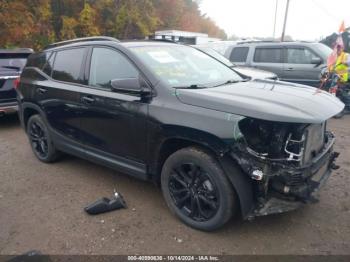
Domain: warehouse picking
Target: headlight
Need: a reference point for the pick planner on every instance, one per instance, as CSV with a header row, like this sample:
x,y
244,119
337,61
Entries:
x,y
273,140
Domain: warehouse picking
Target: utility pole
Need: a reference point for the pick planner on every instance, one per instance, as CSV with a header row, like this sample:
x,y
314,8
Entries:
x,y
274,25
285,22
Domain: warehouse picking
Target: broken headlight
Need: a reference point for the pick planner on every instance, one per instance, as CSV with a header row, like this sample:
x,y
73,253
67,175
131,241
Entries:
x,y
276,141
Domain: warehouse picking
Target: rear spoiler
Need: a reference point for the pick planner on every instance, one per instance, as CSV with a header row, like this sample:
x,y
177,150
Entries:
x,y
17,51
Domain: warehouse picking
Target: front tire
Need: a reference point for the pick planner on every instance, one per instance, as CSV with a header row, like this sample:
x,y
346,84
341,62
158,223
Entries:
x,y
197,190
40,140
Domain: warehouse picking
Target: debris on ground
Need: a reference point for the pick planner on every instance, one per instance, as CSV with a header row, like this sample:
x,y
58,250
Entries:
x,y
179,240
104,205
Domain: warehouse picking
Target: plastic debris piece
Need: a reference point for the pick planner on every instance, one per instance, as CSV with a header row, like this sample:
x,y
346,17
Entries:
x,y
104,205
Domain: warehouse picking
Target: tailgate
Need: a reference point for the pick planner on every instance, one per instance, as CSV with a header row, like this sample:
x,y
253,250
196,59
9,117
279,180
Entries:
x,y
7,91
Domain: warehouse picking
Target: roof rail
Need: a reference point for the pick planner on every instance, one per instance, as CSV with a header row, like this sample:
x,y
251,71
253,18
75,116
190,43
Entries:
x,y
83,39
257,41
273,41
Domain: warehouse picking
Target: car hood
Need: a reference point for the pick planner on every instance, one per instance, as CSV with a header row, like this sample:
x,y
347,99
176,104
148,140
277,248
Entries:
x,y
268,100
255,73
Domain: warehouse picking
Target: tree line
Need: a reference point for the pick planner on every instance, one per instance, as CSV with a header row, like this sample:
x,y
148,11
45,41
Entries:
x,y
36,23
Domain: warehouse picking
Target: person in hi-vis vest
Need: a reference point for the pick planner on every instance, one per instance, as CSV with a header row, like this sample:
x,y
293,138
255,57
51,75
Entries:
x,y
341,64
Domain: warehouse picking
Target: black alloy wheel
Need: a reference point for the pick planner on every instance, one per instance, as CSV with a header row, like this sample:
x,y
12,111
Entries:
x,y
193,192
38,139
197,190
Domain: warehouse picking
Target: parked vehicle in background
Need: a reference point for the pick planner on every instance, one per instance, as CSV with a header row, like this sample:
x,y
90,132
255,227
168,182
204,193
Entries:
x,y
215,142
297,62
222,46
218,46
184,37
253,73
12,62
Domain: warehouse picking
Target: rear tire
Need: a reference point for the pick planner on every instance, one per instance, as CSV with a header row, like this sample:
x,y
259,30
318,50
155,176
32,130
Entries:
x,y
197,190
40,140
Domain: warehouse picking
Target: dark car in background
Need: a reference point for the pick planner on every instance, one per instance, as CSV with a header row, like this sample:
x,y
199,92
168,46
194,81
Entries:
x,y
297,62
217,143
12,62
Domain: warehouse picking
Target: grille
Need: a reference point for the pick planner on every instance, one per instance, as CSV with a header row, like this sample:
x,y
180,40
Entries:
x,y
2,82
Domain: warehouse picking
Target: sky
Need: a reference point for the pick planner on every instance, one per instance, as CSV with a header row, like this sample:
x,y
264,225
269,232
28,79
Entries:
x,y
307,19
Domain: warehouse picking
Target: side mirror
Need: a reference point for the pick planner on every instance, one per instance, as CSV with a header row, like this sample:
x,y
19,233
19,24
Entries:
x,y
130,86
316,61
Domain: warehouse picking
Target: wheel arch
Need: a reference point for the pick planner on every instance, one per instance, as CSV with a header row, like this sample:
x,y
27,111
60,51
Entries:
x,y
28,110
174,138
240,182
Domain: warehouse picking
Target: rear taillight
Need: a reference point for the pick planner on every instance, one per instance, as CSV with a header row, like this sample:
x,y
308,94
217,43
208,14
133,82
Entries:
x,y
16,83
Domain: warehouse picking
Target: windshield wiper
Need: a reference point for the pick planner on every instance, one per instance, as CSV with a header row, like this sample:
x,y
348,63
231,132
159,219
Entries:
x,y
191,87
231,81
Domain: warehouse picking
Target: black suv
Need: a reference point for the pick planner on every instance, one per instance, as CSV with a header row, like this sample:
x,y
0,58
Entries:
x,y
216,143
12,61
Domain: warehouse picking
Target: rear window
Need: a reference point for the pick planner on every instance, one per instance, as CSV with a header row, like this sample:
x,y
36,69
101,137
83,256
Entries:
x,y
239,54
13,62
68,64
268,55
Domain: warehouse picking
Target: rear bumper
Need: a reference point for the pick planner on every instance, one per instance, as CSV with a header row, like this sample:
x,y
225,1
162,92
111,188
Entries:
x,y
8,108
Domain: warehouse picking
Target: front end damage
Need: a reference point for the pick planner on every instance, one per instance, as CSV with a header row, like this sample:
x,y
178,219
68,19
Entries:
x,y
287,162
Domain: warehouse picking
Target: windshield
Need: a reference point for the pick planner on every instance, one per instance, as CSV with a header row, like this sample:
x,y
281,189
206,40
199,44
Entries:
x,y
183,66
216,55
324,50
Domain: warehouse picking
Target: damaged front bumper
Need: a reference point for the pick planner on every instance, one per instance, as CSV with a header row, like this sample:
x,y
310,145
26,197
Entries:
x,y
282,187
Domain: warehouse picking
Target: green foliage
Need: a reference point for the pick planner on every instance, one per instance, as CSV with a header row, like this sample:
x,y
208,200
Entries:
x,y
69,25
135,19
16,25
42,32
87,22
36,23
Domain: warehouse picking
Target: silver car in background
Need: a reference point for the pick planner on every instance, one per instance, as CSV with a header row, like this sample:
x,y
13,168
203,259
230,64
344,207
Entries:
x,y
297,62
252,73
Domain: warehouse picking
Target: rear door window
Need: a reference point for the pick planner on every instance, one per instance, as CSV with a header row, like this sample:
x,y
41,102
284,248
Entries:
x,y
268,55
68,65
239,54
108,64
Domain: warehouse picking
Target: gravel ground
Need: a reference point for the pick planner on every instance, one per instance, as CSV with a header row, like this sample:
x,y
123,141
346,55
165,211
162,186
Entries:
x,y
41,208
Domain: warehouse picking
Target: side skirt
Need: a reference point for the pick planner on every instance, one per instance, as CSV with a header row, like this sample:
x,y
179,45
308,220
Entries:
x,y
121,164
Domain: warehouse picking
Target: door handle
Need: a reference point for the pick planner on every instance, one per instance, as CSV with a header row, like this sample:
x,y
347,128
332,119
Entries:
x,y
88,99
41,90
289,69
